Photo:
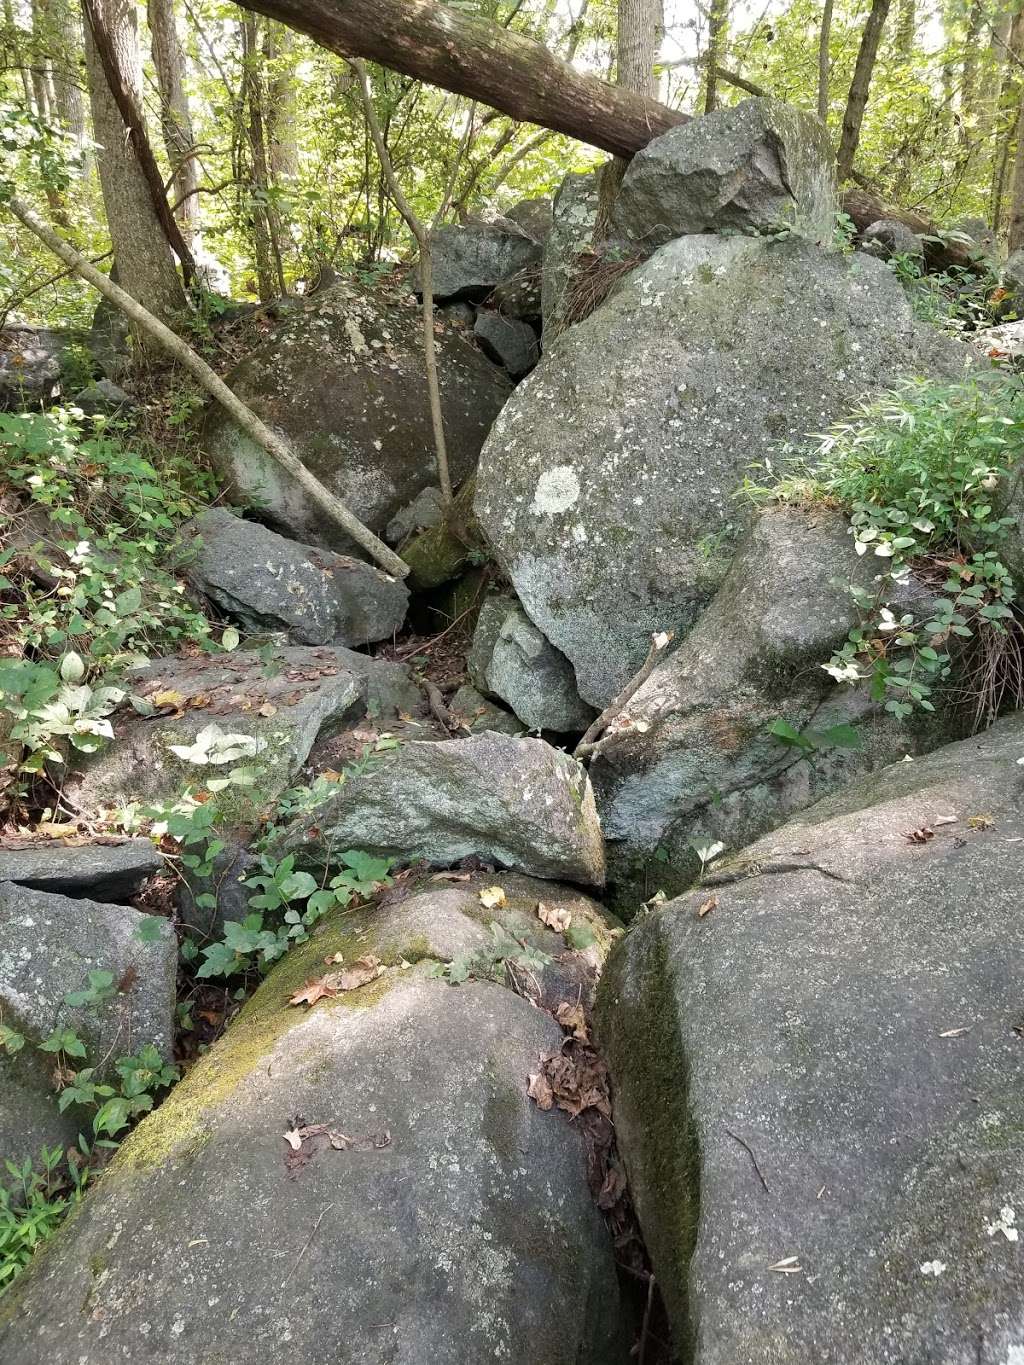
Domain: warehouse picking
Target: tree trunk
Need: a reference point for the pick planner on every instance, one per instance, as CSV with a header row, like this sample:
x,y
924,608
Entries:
x,y
1005,115
265,223
717,17
282,114
638,40
443,46
141,250
858,97
864,208
16,47
906,28
824,35
66,76
175,119
1015,222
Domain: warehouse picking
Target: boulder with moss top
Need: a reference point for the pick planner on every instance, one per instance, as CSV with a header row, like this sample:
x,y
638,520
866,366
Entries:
x,y
49,945
606,487
342,378
816,1061
363,1179
517,803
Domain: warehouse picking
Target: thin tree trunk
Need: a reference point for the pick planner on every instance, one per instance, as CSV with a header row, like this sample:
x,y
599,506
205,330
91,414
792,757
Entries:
x,y
266,225
906,28
717,17
268,440
422,237
1005,114
1015,221
638,39
141,248
824,36
18,54
282,113
175,118
857,99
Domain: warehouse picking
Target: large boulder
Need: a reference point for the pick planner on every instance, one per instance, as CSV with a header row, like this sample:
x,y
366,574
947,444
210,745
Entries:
x,y
606,486
266,582
755,167
279,709
363,1180
510,659
691,762
817,1063
471,259
48,946
508,341
37,362
889,237
515,802
574,217
108,869
342,378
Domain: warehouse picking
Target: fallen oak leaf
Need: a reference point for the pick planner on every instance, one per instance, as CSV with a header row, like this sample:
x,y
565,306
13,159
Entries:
x,y
554,916
540,1091
320,988
362,971
707,907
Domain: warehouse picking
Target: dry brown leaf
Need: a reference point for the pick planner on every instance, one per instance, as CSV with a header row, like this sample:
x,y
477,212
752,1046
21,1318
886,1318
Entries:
x,y
320,988
491,897
363,970
540,1091
572,1018
707,907
452,877
919,836
554,916
267,710
293,1138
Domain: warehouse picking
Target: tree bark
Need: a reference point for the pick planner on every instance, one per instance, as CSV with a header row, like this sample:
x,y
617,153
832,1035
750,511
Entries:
x,y
282,115
443,46
273,444
1015,221
865,207
717,16
141,250
265,221
824,35
637,41
906,28
175,118
858,97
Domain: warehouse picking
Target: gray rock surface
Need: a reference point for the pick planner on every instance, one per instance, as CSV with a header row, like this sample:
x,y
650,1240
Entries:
x,y
470,259
35,362
426,509
1012,273
104,399
510,659
106,871
48,946
889,237
515,802
507,341
283,708
754,167
342,378
606,485
572,227
690,761
458,1227
821,1074
471,711
266,582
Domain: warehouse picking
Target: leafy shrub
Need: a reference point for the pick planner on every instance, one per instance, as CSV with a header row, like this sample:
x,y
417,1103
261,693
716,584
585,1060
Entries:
x,y
35,1197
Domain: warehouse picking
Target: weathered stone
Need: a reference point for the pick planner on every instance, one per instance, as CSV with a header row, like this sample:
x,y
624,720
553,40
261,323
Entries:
x,y
512,660
889,237
817,1080
507,341
266,582
515,802
470,259
342,378
111,871
426,509
103,399
48,946
519,297
574,216
606,486
282,708
754,167
1003,342
1012,274
226,884
452,1222
472,712
532,216
437,554
35,364
690,761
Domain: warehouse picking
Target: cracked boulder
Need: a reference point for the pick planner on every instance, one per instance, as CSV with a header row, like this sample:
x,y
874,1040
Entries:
x,y
606,487
266,582
365,1179
517,803
229,710
816,1061
470,259
103,870
691,761
574,217
342,379
49,944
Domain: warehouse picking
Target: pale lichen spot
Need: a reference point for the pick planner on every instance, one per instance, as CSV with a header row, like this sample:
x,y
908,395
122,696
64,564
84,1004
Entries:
x,y
557,490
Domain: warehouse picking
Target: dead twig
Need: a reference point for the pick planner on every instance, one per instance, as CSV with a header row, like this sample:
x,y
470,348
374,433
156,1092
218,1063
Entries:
x,y
750,1152
659,643
308,1243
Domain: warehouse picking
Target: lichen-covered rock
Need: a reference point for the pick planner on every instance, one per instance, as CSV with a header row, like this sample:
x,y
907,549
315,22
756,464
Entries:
x,y
426,509
817,1078
755,166
507,341
606,486
889,237
423,1208
279,709
35,362
472,712
470,259
511,659
113,870
515,802
574,216
690,761
48,946
342,378
266,582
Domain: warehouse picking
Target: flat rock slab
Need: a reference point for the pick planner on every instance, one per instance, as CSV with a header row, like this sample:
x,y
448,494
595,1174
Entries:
x,y
447,1220
103,871
283,704
818,1078
606,487
267,582
470,259
518,803
48,946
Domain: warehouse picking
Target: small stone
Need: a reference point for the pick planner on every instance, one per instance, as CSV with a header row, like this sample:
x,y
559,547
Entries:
x,y
507,341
